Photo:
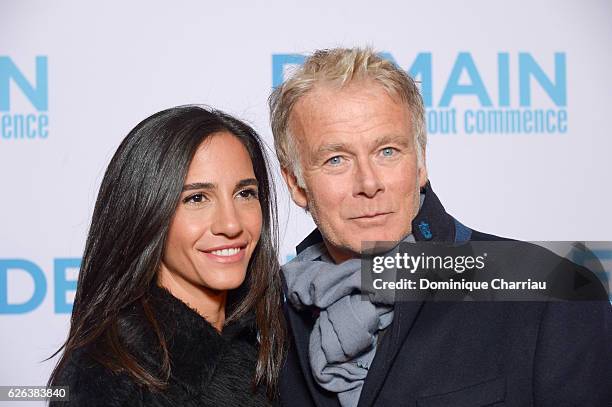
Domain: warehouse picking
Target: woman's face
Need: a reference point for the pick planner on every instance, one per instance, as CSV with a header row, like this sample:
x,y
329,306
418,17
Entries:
x,y
217,222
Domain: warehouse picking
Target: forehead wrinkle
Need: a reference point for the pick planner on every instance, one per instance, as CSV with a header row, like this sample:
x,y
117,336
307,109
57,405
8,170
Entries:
x,y
348,118
308,107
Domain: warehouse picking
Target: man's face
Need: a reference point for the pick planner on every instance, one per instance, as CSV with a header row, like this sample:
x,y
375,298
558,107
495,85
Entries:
x,y
359,165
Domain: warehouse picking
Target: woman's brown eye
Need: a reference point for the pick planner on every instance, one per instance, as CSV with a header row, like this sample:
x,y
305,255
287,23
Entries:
x,y
248,193
196,198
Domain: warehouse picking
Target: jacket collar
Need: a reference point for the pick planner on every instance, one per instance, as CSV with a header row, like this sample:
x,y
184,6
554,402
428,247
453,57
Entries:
x,y
431,223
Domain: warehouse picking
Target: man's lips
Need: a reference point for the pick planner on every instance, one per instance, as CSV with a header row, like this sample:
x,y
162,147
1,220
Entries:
x,y
371,215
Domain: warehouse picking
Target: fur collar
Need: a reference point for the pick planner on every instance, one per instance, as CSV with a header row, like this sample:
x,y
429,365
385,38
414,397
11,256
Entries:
x,y
196,349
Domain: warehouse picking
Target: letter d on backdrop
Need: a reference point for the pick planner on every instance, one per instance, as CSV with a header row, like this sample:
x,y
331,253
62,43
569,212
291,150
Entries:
x,y
40,285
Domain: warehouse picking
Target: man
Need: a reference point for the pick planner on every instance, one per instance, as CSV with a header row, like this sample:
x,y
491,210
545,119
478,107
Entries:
x,y
349,133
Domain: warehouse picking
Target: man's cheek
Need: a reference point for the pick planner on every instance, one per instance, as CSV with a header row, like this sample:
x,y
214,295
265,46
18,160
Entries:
x,y
405,185
327,194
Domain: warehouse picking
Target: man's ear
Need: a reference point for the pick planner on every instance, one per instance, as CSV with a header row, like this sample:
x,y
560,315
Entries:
x,y
297,193
422,170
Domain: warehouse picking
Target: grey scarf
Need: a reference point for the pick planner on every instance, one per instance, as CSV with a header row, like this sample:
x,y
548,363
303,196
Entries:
x,y
343,341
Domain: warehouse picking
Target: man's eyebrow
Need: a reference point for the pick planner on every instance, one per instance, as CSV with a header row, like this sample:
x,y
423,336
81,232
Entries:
x,y
247,182
331,148
402,140
199,185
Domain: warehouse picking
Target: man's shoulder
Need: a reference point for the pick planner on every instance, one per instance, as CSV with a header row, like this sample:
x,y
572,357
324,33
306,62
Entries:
x,y
487,237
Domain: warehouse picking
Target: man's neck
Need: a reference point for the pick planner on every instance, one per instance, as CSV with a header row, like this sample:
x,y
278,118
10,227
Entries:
x,y
338,255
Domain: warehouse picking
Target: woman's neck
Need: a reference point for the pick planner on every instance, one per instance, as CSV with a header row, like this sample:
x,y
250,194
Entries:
x,y
210,304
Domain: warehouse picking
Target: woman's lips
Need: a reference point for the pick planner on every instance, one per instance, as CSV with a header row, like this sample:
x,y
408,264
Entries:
x,y
226,254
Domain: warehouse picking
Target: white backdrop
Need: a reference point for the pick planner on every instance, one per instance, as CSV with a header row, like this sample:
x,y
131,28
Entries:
x,y
111,64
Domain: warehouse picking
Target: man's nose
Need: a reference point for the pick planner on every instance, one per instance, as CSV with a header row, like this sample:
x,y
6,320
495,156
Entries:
x,y
367,181
227,219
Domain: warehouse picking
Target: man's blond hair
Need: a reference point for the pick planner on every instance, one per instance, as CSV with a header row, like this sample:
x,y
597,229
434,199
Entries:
x,y
341,66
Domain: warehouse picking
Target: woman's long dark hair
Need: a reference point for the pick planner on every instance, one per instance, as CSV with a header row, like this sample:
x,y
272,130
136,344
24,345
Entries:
x,y
133,211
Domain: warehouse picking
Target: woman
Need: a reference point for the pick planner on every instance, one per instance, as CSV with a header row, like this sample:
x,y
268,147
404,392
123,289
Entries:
x,y
178,298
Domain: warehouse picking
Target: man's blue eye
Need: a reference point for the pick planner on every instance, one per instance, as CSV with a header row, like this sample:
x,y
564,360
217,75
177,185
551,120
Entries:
x,y
335,160
388,152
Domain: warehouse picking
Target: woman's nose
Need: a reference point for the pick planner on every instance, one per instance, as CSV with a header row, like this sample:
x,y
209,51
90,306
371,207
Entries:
x,y
227,220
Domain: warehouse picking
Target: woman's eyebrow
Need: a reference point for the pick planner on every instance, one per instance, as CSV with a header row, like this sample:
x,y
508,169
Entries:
x,y
247,182
209,185
199,185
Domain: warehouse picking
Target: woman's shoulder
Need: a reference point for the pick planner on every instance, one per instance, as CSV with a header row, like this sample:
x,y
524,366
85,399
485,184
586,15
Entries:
x,y
92,384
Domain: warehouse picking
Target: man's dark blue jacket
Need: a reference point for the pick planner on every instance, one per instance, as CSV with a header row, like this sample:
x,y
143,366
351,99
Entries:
x,y
460,354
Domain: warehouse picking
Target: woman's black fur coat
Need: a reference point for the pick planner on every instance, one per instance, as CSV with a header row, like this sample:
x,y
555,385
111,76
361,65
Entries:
x,y
207,368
